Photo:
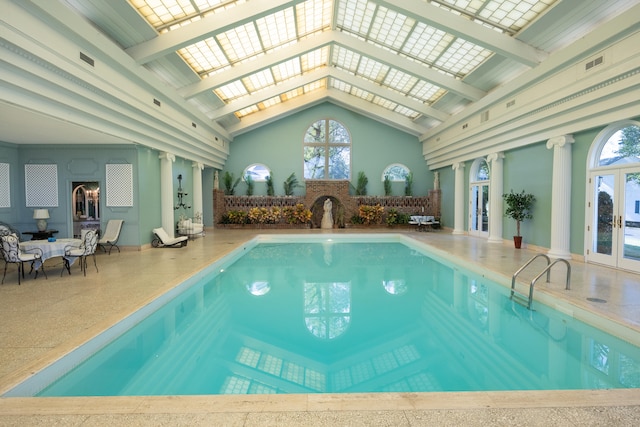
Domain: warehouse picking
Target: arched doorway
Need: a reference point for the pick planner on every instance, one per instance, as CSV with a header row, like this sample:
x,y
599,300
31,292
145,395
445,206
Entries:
x,y
613,220
479,198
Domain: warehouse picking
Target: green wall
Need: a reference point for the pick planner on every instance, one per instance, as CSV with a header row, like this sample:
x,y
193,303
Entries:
x,y
374,147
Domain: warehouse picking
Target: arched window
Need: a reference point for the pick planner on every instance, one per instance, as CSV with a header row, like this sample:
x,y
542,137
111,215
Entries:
x,y
257,171
327,151
613,232
396,172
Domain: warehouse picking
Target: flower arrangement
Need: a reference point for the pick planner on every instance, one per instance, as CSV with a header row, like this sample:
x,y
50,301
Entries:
x,y
235,217
264,215
297,214
371,214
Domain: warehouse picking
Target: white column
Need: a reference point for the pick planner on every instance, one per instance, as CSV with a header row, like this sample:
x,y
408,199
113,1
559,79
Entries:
x,y
458,207
495,196
197,188
561,197
166,192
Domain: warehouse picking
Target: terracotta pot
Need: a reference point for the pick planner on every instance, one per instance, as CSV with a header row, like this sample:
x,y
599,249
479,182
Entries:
x,y
517,241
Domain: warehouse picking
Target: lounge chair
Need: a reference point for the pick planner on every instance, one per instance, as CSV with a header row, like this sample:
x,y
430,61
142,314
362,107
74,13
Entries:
x,y
163,240
111,235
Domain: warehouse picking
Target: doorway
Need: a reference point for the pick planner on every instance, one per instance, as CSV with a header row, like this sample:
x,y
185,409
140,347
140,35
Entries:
x,y
85,206
479,199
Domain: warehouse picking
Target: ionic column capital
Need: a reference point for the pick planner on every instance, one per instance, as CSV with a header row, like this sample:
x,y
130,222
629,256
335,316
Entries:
x,y
560,141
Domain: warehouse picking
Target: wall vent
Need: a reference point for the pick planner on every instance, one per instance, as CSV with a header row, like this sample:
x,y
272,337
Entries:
x,y
87,59
158,103
464,126
194,125
484,116
593,63
511,103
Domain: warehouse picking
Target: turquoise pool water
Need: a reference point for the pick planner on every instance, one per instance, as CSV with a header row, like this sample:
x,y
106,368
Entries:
x,y
333,315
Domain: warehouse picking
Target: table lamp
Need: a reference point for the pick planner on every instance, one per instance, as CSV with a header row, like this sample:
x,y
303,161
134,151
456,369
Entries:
x,y
42,215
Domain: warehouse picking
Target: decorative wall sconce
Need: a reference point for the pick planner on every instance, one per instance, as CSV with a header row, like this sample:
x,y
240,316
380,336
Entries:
x,y
181,194
41,215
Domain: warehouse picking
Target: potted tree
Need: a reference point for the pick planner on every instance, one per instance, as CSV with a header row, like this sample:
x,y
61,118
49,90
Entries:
x,y
519,207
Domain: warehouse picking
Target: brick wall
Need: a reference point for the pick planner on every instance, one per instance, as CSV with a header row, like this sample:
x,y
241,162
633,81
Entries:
x,y
343,204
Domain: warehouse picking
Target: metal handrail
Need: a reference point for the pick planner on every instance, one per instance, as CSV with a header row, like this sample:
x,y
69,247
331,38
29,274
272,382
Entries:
x,y
535,279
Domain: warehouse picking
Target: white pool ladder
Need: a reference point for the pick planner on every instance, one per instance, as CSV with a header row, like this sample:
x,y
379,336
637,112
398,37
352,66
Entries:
x,y
521,297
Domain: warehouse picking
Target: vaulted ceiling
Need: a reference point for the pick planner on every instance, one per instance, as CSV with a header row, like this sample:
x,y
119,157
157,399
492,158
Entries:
x,y
408,63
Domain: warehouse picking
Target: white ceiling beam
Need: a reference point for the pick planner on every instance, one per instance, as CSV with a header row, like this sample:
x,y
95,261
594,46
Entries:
x,y
268,93
215,23
500,43
411,67
375,112
251,67
389,94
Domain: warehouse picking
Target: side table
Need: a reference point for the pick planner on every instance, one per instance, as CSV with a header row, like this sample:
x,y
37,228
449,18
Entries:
x,y
41,235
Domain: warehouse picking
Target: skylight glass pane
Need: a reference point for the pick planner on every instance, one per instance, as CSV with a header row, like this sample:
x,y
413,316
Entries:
x,y
400,81
345,59
233,90
240,42
426,43
390,28
269,102
318,84
258,81
340,85
286,70
292,94
510,14
426,92
372,69
315,59
313,16
277,28
384,103
246,111
407,112
462,57
204,56
167,14
355,15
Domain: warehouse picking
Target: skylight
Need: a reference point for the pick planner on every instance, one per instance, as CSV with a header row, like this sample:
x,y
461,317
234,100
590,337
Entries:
x,y
381,27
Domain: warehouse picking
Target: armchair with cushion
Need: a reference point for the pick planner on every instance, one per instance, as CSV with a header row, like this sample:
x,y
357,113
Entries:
x,y
12,254
190,227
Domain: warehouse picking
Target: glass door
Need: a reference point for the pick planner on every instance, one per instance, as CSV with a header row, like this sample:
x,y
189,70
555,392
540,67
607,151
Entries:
x,y
478,209
615,227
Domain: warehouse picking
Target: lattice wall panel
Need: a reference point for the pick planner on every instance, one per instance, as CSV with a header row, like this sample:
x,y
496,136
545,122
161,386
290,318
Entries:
x,y
119,185
5,186
41,185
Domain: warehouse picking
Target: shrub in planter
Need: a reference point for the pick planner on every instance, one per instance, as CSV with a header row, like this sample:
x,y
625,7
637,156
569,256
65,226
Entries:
x,y
371,214
297,214
264,215
234,217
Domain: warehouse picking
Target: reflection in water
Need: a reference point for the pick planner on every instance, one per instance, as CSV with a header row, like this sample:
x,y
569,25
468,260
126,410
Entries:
x,y
333,328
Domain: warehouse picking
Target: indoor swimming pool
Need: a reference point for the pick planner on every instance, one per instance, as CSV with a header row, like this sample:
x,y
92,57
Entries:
x,y
339,314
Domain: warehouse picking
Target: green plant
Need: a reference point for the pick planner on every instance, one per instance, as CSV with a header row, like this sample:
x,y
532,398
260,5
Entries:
x,y
297,214
361,187
229,183
250,184
290,184
408,184
387,185
270,191
519,207
394,217
371,214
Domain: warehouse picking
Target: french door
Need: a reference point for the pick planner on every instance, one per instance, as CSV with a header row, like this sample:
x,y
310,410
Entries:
x,y
479,209
615,221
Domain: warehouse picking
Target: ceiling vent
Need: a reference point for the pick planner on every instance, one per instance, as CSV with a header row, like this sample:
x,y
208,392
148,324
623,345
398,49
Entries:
x,y
194,125
464,126
511,103
484,116
593,63
158,103
87,59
